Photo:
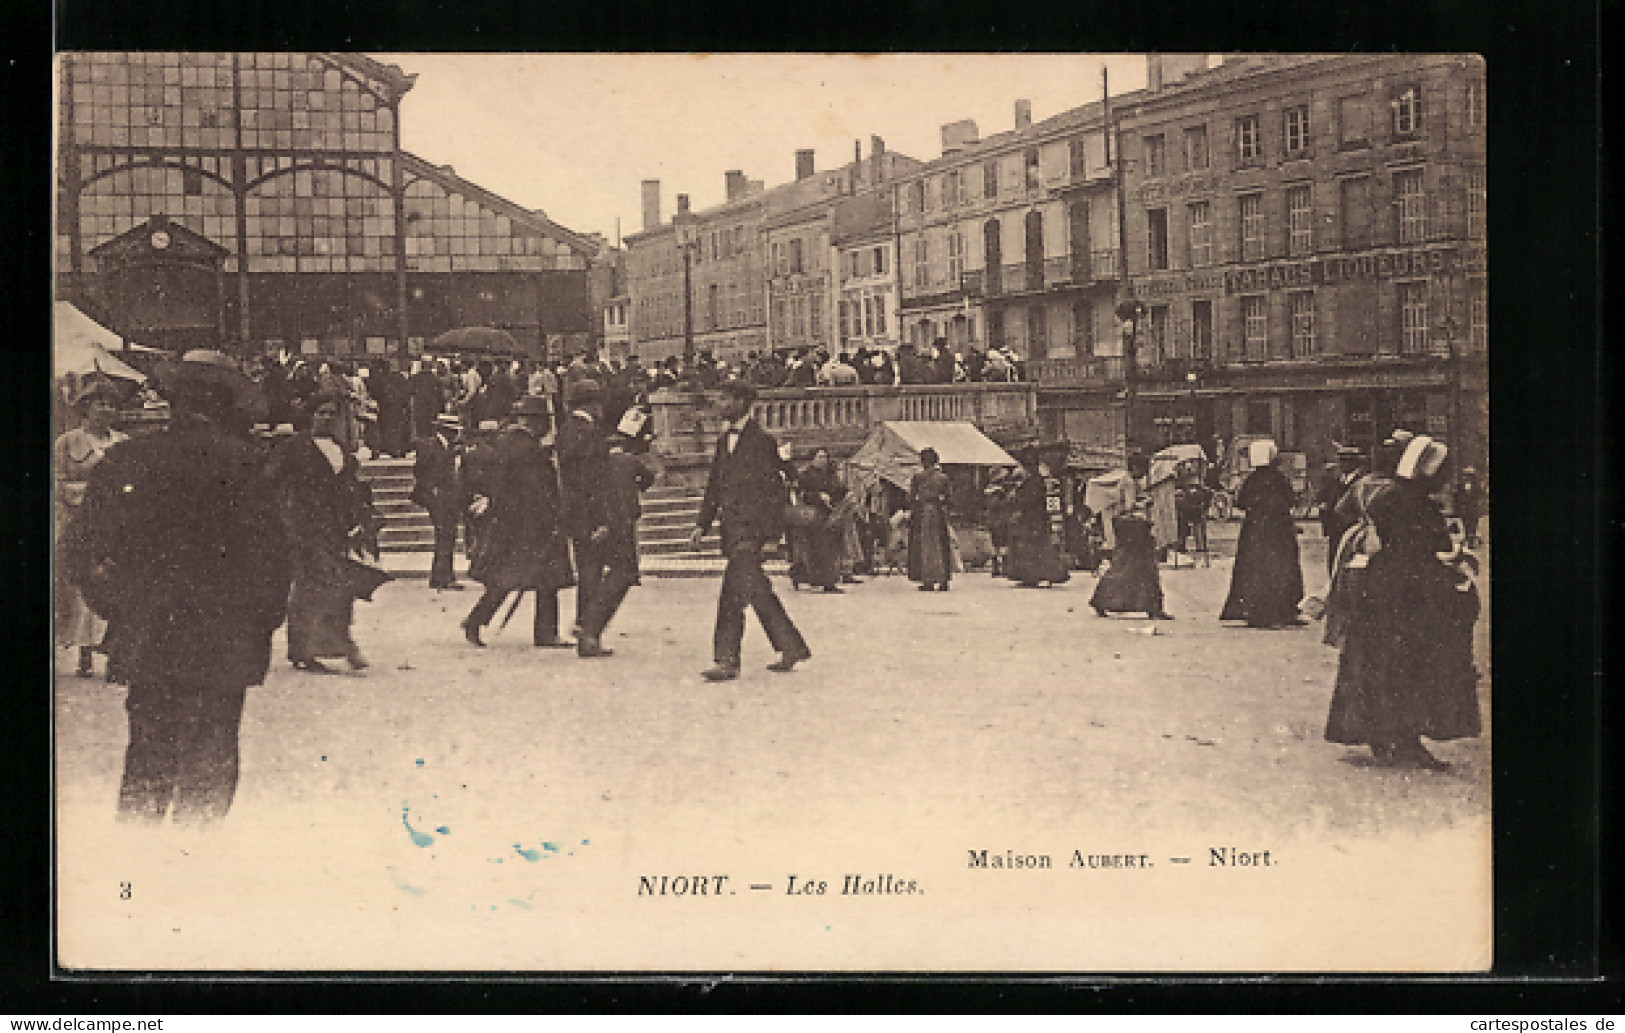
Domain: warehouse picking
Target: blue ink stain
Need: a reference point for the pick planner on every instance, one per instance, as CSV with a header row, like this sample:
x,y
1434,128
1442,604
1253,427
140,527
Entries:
x,y
418,838
530,855
414,890
585,843
324,757
419,762
443,830
551,847
493,860
520,903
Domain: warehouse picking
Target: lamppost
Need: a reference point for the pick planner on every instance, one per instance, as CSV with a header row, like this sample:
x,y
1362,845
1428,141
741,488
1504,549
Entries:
x,y
1191,380
1129,310
685,244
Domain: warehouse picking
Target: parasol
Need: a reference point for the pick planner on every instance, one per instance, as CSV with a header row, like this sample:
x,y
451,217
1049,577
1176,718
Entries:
x,y
477,339
80,347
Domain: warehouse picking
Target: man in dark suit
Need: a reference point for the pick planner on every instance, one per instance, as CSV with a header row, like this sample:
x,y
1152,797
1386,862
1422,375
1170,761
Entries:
x,y
583,454
436,487
186,558
747,490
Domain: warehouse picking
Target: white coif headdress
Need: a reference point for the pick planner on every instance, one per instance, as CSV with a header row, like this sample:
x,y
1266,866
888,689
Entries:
x,y
1423,457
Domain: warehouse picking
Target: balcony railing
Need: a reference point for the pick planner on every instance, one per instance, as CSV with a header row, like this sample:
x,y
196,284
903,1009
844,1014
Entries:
x,y
840,418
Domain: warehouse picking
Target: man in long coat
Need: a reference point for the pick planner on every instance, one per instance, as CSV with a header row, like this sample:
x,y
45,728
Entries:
x,y
185,557
583,452
747,490
522,546
1338,482
437,487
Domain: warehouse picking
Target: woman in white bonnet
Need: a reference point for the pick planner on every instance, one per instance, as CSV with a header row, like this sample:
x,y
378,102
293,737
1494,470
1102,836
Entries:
x,y
1406,670
1267,582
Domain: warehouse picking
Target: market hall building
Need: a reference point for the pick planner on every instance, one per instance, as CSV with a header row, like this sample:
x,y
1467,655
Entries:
x,y
262,201
1306,250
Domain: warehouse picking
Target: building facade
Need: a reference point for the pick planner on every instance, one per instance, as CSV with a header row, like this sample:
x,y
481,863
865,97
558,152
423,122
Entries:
x,y
1011,241
707,279
304,226
1306,253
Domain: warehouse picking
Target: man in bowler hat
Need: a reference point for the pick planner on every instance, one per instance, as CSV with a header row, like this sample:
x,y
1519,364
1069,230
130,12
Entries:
x,y
747,490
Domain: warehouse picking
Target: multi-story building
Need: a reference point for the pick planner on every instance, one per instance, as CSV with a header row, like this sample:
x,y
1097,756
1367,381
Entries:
x,y
864,236
616,329
1306,252
704,276
1011,240
797,243
262,200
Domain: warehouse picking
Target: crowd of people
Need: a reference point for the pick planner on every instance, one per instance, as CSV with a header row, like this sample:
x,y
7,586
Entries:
x,y
183,550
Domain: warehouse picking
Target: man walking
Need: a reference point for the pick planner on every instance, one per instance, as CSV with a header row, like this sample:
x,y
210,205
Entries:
x,y
747,490
437,488
626,474
185,557
583,455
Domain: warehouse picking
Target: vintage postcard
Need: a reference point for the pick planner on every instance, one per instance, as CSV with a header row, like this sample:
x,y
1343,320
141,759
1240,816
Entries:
x,y
771,513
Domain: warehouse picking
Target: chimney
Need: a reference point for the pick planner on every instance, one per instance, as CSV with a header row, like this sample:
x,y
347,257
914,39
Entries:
x,y
1024,114
736,184
1153,73
682,206
651,203
877,157
804,165
956,136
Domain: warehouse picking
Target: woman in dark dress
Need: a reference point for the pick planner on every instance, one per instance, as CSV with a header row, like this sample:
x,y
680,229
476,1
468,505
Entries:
x,y
1131,584
326,513
929,549
817,549
1267,582
1035,550
1406,669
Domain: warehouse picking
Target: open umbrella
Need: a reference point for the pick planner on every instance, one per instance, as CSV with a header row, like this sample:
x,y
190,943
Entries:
x,y
477,339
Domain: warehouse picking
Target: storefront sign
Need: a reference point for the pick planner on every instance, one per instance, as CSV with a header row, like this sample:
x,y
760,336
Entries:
x,y
1212,280
1384,380
1162,190
1314,272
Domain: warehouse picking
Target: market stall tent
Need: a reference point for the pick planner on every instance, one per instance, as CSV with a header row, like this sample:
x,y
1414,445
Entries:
x,y
892,451
82,347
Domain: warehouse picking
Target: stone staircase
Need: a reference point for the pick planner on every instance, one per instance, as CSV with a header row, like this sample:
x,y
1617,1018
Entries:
x,y
406,538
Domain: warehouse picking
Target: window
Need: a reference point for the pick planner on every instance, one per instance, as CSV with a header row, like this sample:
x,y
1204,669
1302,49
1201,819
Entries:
x,y
1083,328
880,315
1157,341
1407,112
956,258
1252,227
192,182
1037,333
1201,221
880,261
990,178
1296,128
1300,220
951,189
1303,324
1412,205
1077,153
1155,157
1476,201
1478,312
711,306
1356,210
795,255
1413,318
1157,244
1201,330
922,261
916,193
1475,103
815,316
1032,168
868,315
1196,154
1354,120
1255,325
1248,145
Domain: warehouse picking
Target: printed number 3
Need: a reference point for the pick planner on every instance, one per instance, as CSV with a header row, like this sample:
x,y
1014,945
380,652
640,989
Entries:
x,y
124,891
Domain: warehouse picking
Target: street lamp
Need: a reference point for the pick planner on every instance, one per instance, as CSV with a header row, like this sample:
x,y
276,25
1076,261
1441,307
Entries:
x,y
1129,310
686,245
1191,380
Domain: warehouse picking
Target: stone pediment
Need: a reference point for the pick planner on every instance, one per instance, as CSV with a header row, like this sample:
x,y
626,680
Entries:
x,y
159,239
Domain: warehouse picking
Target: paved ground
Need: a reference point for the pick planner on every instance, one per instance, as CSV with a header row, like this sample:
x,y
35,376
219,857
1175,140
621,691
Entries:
x,y
421,814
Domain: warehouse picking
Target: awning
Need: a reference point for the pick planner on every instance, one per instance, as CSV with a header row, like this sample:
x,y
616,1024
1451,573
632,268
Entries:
x,y
892,451
82,347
